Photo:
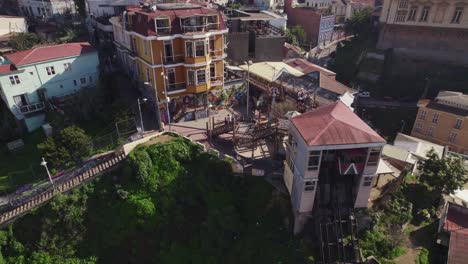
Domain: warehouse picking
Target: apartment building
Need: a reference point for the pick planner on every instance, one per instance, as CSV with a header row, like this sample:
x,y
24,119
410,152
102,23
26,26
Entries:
x,y
444,121
332,157
46,8
173,50
30,78
426,30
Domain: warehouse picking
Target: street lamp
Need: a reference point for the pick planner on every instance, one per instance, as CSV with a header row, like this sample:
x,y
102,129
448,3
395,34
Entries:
x,y
248,85
167,99
44,163
139,110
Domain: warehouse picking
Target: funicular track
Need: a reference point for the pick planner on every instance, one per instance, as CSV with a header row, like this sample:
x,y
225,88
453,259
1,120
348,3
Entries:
x,y
336,228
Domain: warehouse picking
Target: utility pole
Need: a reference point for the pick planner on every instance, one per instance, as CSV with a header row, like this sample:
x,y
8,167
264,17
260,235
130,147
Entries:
x,y
248,86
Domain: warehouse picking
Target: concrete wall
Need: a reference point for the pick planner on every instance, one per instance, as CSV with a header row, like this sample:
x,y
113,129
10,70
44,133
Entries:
x,y
238,47
269,48
426,43
12,24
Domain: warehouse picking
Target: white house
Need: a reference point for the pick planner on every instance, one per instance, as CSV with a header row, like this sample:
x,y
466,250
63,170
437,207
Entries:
x,y
332,157
30,78
10,24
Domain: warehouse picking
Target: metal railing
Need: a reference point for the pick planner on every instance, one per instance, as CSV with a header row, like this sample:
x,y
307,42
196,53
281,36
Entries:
x,y
216,80
171,87
174,59
200,28
27,109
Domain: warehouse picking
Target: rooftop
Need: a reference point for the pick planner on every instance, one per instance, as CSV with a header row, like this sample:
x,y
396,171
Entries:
x,y
417,146
270,71
334,124
307,67
47,53
454,99
443,107
456,222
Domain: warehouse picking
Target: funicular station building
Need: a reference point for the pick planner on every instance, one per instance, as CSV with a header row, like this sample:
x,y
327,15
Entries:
x,y
332,158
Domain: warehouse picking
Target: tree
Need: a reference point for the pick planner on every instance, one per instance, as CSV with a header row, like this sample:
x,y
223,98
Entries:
x,y
24,41
57,156
81,7
76,142
444,175
295,35
360,23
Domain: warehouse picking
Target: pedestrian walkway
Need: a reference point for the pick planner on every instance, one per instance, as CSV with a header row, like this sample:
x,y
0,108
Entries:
x,y
25,204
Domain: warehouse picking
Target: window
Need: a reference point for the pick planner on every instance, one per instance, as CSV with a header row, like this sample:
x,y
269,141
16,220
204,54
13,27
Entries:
x,y
424,14
401,15
412,13
419,127
145,47
50,70
435,118
90,79
67,67
134,45
200,48
20,100
367,181
31,73
452,137
430,131
148,76
168,50
374,156
191,77
458,123
457,15
213,71
309,186
61,86
423,114
163,25
39,11
212,45
189,49
201,77
171,79
75,83
403,4
83,80
314,160
14,80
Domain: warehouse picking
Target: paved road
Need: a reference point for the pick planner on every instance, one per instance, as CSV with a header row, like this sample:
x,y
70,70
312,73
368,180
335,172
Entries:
x,y
372,102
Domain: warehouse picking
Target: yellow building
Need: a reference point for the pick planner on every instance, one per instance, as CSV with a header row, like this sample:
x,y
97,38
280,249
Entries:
x,y
444,121
175,49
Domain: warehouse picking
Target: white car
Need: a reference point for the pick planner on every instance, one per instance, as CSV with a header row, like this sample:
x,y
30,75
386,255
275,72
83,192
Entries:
x,y
364,94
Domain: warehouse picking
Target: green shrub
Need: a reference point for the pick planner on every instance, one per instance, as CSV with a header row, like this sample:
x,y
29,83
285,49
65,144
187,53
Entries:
x,y
423,257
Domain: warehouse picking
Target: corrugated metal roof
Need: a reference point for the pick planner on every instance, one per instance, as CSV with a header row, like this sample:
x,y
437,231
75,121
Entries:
x,y
269,70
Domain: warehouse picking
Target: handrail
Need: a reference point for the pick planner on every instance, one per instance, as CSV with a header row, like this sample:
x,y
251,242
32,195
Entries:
x,y
26,109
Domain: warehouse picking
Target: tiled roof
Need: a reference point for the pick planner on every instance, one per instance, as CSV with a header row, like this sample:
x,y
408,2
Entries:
x,y
334,124
456,223
49,53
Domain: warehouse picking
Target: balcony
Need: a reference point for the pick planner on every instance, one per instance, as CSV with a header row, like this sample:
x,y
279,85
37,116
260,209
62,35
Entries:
x,y
32,108
173,88
199,24
216,80
217,54
174,59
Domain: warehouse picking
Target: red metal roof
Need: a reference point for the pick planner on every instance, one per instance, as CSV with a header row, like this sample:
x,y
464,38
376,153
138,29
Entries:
x,y
49,53
143,21
7,68
456,223
308,67
334,124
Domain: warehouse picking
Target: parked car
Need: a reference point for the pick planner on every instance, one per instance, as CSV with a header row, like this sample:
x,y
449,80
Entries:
x,y
364,94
